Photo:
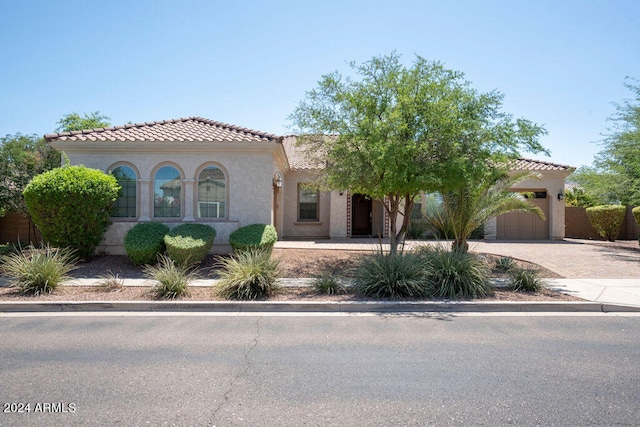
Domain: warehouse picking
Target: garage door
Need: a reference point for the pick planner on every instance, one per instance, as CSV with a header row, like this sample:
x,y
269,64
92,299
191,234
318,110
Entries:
x,y
525,225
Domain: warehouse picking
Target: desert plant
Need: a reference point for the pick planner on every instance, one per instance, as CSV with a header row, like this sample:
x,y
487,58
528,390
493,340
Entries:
x,y
470,206
328,284
71,206
173,279
525,280
248,275
399,275
145,241
189,243
110,283
504,263
252,237
456,273
417,228
606,219
38,270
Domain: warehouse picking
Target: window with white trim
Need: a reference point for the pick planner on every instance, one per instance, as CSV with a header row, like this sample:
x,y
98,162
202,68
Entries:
x,y
212,193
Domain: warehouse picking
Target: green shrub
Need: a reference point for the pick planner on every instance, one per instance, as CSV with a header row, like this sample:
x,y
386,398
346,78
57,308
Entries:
x,y
505,263
417,228
189,243
525,280
456,274
71,206
636,214
172,279
248,275
144,242
38,271
393,276
252,237
606,220
328,284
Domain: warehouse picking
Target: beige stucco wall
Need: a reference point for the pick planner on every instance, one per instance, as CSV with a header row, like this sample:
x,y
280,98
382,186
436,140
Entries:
x,y
291,227
249,169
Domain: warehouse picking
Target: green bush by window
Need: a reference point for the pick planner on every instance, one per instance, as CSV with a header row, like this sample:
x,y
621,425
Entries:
x,y
252,237
189,243
71,206
606,220
144,242
636,214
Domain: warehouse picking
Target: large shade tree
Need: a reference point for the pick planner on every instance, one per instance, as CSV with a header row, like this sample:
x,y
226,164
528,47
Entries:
x,y
21,158
392,132
614,177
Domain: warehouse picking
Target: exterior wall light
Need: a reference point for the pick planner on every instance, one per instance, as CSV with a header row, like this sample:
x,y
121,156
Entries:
x,y
560,195
277,180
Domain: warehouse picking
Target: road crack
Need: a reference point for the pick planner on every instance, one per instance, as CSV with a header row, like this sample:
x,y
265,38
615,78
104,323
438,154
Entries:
x,y
243,373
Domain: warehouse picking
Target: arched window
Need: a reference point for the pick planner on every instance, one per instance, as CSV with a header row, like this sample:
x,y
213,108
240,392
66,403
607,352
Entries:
x,y
125,205
212,193
167,193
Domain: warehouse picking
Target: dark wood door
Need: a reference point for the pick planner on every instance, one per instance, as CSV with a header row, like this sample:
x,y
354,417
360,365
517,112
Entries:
x,y
360,215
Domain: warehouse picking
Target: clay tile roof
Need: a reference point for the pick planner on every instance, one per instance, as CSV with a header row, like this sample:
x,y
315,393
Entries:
x,y
538,165
296,157
184,129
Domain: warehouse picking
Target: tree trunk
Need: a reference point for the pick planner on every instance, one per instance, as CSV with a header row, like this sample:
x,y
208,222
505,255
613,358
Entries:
x,y
397,236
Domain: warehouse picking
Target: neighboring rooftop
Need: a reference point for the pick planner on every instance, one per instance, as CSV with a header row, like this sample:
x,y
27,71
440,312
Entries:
x,y
185,129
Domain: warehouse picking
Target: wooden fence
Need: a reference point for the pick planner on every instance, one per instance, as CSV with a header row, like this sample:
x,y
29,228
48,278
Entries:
x,y
577,225
16,228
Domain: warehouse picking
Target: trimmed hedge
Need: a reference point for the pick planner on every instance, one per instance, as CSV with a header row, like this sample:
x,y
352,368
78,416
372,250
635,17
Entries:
x,y
145,241
71,206
253,237
607,220
636,214
189,243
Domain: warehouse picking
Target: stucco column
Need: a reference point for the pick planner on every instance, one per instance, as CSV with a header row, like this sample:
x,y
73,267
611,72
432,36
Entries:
x,y
189,184
556,212
338,215
145,199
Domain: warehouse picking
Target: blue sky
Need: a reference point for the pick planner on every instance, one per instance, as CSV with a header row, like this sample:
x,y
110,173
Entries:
x,y
249,63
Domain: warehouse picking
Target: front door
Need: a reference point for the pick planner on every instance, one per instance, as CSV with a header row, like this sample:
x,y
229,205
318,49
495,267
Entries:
x,y
360,215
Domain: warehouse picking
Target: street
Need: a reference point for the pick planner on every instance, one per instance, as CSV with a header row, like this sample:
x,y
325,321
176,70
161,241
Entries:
x,y
153,369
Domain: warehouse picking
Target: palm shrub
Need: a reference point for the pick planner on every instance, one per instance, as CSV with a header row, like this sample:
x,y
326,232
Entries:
x,y
189,243
525,280
248,275
145,241
399,275
456,273
470,205
253,237
71,206
38,270
607,220
173,279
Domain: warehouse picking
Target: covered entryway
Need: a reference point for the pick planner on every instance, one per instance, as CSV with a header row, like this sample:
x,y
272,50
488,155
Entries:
x,y
525,225
361,215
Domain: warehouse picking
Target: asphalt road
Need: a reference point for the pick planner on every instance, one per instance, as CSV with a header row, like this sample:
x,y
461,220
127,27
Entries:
x,y
345,370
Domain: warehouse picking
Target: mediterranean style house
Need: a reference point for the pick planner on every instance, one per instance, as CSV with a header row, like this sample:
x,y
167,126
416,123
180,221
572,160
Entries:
x,y
198,170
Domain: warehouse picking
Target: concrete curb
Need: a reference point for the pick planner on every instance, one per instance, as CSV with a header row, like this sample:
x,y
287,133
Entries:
x,y
311,307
